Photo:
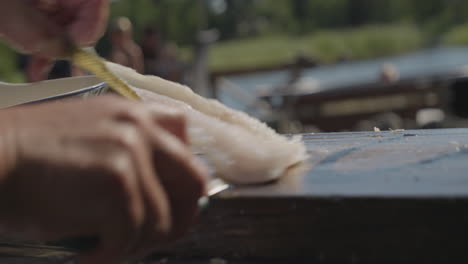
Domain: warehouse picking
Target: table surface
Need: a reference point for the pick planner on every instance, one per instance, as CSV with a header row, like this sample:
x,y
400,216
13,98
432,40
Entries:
x,y
424,163
394,196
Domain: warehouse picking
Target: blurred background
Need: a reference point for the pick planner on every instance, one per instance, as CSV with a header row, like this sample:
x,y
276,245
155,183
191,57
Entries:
x,y
299,65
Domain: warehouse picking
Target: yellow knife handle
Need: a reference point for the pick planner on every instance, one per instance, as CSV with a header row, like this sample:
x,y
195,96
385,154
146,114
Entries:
x,y
97,66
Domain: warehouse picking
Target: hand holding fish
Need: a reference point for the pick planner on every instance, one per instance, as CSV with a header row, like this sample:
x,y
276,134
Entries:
x,y
106,167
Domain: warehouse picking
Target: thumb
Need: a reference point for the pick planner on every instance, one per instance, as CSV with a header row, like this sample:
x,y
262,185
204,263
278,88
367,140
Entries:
x,y
29,30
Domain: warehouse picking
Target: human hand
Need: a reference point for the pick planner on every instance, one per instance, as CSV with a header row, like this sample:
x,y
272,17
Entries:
x,y
41,27
44,28
106,167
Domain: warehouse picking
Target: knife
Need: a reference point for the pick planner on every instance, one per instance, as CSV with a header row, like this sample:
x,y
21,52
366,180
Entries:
x,y
87,60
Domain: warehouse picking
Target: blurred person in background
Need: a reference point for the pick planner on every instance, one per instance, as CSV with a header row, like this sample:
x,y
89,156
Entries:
x,y
151,45
161,57
169,66
119,170
124,50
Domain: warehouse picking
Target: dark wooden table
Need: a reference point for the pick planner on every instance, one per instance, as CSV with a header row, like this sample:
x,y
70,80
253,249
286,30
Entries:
x,y
385,197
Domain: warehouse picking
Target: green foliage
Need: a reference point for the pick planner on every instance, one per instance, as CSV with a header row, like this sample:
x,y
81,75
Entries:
x,y
326,46
377,41
258,51
457,36
8,65
178,20
265,32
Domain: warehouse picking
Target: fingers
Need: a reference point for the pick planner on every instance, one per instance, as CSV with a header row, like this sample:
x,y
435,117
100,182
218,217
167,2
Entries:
x,y
154,231
123,170
90,21
182,177
30,31
47,6
120,239
171,120
43,26
178,169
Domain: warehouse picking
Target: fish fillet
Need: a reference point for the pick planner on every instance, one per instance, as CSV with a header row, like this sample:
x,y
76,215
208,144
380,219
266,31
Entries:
x,y
240,148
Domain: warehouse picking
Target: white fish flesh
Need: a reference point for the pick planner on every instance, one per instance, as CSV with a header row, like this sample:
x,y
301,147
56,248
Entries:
x,y
240,148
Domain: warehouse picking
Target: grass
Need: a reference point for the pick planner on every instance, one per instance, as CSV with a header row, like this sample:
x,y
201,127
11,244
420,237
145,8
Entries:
x,y
457,36
325,46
